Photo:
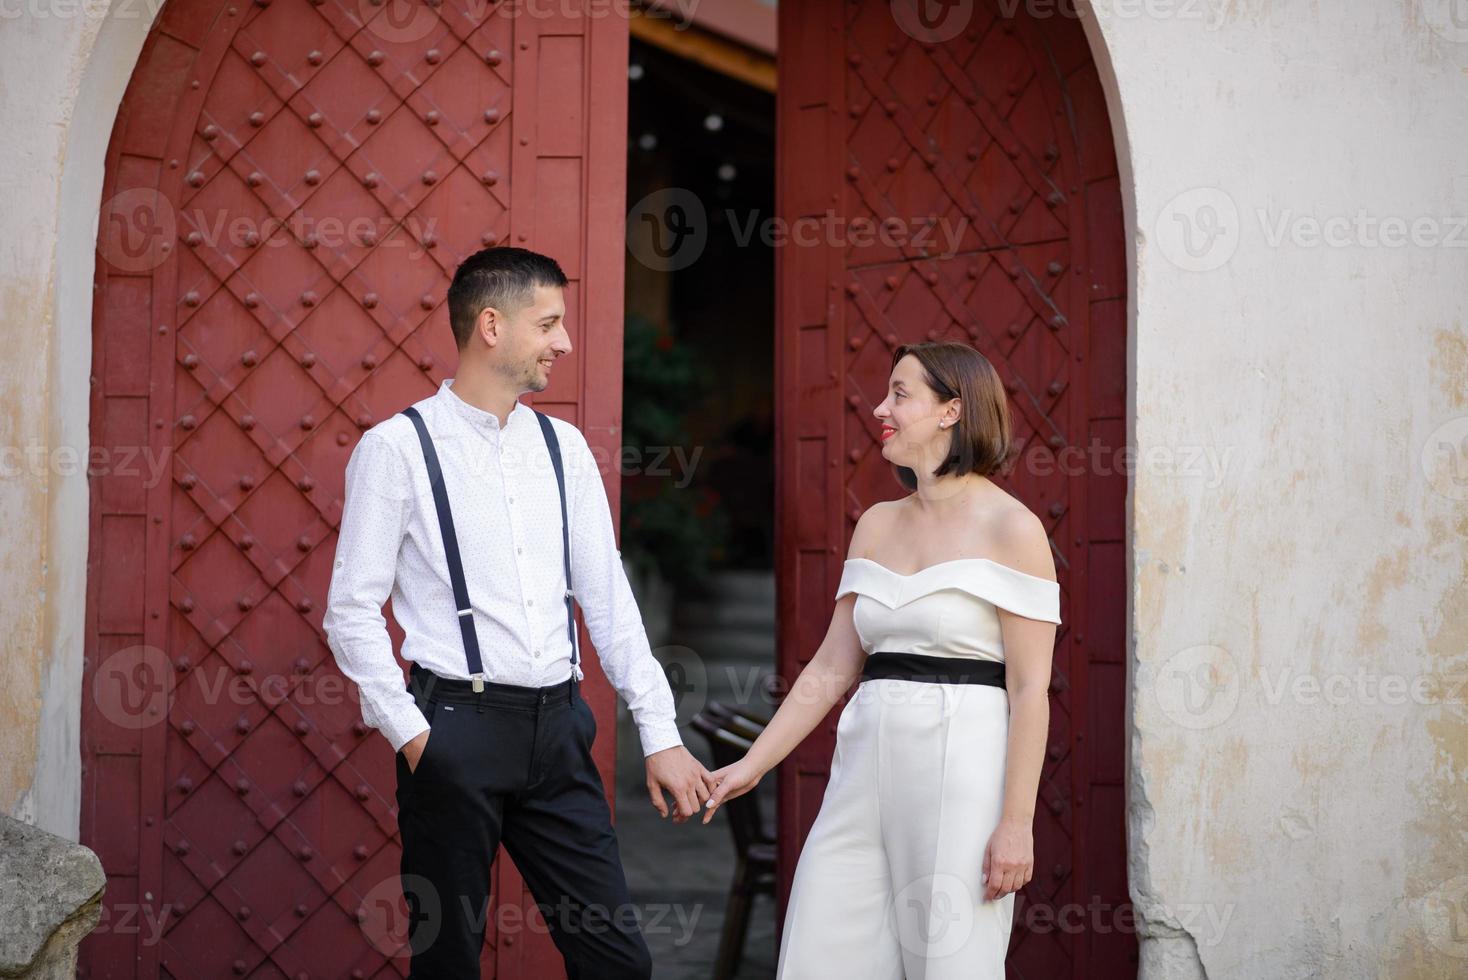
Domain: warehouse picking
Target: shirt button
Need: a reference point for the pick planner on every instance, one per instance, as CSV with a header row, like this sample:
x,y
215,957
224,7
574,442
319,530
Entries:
x,y
537,653
529,602
512,500
518,551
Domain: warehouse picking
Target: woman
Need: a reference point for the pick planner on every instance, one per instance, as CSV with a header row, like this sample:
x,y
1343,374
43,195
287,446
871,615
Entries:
x,y
946,611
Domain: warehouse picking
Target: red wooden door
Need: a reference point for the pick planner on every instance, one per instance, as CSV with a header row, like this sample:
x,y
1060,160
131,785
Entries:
x,y
289,186
991,131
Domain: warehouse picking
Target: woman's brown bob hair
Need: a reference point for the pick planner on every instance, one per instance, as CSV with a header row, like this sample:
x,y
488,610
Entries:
x,y
981,439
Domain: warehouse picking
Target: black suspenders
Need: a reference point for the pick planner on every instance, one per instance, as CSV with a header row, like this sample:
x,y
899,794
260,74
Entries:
x,y
451,543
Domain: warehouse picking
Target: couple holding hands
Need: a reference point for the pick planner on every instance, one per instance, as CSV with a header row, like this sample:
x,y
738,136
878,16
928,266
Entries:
x,y
486,522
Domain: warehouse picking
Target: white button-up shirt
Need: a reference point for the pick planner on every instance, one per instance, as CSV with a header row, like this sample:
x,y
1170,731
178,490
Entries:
x,y
507,516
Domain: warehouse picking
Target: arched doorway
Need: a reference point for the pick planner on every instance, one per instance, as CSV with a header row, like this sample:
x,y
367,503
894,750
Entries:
x,y
237,368
981,141
288,188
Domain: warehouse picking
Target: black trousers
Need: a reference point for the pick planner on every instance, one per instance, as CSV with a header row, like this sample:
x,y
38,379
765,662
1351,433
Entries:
x,y
511,765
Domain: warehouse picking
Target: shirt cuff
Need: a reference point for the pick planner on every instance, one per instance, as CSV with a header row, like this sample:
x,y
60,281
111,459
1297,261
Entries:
x,y
404,726
658,736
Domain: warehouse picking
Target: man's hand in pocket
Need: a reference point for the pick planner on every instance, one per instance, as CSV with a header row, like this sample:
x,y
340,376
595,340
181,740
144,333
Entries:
x,y
413,749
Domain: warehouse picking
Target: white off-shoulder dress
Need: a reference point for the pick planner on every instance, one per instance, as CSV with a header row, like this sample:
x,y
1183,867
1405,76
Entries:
x,y
890,881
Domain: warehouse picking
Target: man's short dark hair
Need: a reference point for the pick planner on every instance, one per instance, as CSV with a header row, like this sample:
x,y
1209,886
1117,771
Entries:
x,y
502,277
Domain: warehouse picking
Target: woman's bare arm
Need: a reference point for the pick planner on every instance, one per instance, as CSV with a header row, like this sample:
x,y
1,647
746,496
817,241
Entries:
x,y
830,674
1029,648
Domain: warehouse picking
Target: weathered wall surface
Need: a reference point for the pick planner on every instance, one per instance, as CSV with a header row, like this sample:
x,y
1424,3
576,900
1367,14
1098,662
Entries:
x,y
63,68
1299,513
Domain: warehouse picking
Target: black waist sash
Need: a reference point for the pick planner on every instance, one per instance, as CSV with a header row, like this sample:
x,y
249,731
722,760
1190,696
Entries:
x,y
883,665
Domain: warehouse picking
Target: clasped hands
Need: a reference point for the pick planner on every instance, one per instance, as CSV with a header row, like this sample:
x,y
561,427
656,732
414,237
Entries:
x,y
672,771
693,787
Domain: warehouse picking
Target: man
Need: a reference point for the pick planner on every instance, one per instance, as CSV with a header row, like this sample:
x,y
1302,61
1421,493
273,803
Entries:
x,y
493,740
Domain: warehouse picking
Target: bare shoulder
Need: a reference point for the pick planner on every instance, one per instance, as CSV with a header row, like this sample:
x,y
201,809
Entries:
x,y
872,527
1018,539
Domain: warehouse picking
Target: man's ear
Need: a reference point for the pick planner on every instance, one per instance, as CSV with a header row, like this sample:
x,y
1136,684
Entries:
x,y
489,325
